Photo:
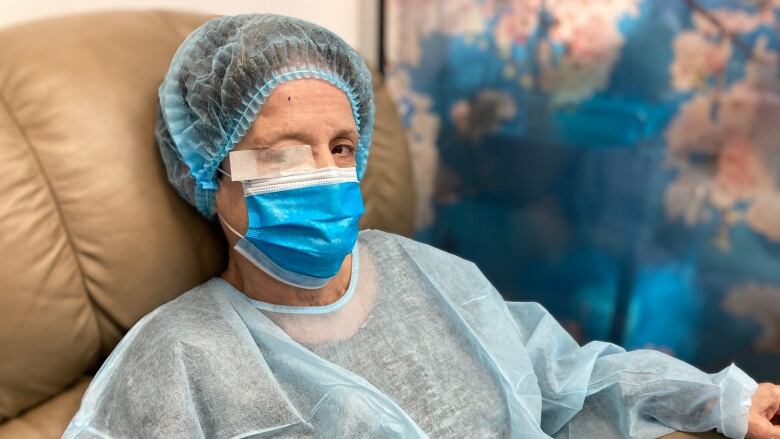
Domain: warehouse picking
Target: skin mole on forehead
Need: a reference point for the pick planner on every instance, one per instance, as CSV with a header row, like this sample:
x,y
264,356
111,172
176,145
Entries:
x,y
288,98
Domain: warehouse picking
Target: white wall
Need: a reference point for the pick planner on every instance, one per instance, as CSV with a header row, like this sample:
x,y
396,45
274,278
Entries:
x,y
354,20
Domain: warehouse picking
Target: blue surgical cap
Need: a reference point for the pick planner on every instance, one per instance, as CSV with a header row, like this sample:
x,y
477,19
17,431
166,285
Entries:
x,y
222,74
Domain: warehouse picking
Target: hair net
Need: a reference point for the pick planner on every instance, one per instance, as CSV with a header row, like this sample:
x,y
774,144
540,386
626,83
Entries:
x,y
222,74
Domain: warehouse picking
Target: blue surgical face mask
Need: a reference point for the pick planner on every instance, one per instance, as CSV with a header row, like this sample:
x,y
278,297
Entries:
x,y
302,225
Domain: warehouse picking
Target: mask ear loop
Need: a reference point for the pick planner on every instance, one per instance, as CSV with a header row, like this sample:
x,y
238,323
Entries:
x,y
229,226
223,172
219,169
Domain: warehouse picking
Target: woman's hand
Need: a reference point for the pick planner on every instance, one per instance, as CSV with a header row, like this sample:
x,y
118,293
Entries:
x,y
764,414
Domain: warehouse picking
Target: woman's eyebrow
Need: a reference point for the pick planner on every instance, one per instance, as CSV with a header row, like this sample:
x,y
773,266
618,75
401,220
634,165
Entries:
x,y
347,133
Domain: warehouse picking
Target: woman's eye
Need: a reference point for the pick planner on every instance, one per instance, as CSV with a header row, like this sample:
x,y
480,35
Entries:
x,y
343,150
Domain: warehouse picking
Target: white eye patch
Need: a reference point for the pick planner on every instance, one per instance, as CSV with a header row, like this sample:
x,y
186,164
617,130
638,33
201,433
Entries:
x,y
254,164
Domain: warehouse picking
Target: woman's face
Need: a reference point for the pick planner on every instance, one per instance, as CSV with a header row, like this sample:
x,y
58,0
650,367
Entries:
x,y
299,112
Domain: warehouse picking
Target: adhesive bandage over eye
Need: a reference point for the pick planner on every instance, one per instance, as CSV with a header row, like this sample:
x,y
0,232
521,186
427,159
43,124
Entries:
x,y
264,163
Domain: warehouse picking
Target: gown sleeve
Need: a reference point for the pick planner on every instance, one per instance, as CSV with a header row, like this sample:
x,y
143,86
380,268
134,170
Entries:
x,y
599,387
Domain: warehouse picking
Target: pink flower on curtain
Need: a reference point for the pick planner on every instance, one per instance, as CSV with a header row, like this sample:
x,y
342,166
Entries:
x,y
721,142
586,31
740,174
697,59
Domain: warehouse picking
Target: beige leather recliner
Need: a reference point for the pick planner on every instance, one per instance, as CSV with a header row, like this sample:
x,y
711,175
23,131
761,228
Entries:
x,y
92,237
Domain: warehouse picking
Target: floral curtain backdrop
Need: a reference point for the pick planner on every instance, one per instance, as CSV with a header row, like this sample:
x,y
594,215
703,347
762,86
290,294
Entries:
x,y
616,160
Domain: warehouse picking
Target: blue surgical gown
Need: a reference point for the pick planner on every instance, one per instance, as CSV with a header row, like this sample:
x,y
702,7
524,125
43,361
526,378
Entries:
x,y
420,345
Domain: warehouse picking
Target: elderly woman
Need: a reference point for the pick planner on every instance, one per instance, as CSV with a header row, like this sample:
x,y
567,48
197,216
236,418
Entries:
x,y
315,329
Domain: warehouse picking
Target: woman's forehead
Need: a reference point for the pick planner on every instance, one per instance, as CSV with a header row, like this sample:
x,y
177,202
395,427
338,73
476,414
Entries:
x,y
305,95
304,105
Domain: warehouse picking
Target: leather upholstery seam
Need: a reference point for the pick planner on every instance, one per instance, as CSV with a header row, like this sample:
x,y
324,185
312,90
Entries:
x,y
61,215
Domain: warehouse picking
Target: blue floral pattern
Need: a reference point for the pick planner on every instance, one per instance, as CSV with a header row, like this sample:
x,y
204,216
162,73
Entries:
x,y
616,160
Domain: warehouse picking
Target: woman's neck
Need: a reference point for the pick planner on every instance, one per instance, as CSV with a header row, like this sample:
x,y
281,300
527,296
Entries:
x,y
258,285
